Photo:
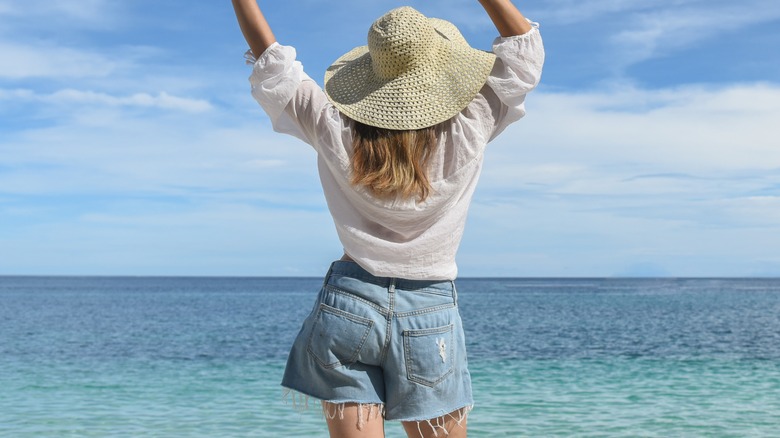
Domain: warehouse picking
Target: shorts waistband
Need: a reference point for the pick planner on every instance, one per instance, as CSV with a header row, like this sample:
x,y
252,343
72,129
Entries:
x,y
353,270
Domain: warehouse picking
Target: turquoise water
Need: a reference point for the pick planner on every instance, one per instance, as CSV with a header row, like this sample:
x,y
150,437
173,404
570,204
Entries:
x,y
652,398
203,357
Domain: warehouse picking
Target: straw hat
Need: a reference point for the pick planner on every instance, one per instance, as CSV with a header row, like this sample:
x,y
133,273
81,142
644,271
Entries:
x,y
415,72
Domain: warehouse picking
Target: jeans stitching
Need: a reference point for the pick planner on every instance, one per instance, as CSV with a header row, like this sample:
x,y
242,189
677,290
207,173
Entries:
x,y
343,292
390,315
431,291
425,310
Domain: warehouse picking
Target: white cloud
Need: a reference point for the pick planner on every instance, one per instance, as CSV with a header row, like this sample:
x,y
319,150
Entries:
x,y
659,32
21,61
574,11
107,150
63,13
690,129
162,100
695,157
708,143
640,30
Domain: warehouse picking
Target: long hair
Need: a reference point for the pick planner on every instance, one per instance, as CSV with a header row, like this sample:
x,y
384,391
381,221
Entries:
x,y
391,163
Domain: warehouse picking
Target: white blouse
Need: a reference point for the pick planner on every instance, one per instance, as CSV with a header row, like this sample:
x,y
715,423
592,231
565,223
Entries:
x,y
400,238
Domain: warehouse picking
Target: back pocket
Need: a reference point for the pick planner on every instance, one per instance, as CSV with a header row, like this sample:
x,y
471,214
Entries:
x,y
428,354
337,336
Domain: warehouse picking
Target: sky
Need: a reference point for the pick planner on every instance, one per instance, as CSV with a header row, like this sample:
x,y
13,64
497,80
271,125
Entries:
x,y
130,145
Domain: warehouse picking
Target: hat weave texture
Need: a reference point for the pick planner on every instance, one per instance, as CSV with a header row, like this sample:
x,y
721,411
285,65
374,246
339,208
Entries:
x,y
415,72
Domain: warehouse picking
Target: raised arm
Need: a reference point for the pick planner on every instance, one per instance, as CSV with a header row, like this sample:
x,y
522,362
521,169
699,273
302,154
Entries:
x,y
507,18
253,25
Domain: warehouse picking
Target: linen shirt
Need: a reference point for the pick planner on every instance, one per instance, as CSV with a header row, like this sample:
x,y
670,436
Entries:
x,y
401,238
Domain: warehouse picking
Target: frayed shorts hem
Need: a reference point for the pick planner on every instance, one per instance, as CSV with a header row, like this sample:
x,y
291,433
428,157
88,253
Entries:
x,y
462,411
300,399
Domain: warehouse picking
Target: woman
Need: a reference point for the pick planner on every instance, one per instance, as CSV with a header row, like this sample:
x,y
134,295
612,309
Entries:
x,y
400,131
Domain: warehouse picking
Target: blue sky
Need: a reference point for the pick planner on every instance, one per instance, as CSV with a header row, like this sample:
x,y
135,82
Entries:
x,y
129,143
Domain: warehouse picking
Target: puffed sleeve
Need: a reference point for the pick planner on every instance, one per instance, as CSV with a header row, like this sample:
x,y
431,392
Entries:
x,y
295,103
517,71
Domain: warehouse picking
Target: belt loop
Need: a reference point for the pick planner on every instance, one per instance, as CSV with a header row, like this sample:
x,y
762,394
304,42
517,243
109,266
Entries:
x,y
327,276
454,292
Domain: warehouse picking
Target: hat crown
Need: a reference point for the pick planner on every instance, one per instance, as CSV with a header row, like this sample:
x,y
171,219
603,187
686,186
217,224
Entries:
x,y
415,72
399,41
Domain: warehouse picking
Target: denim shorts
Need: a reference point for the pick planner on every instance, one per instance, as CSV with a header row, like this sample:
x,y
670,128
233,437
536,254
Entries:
x,y
388,341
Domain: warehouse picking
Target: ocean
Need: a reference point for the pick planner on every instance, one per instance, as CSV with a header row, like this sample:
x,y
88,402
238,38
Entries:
x,y
203,357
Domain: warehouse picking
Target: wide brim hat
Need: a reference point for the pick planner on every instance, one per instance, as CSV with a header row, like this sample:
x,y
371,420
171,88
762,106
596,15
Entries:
x,y
415,72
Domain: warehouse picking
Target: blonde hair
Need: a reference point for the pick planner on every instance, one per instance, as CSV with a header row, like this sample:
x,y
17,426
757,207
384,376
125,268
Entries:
x,y
391,163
